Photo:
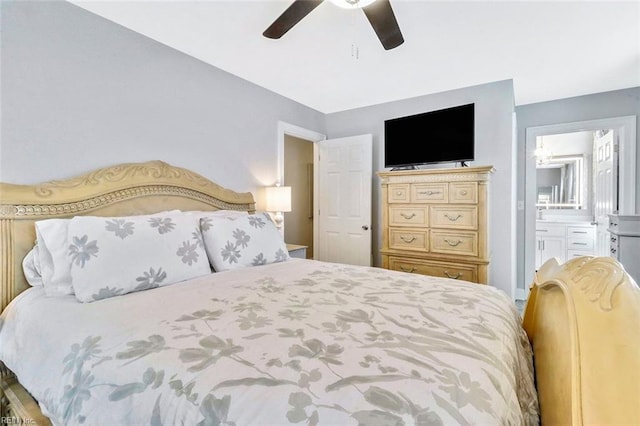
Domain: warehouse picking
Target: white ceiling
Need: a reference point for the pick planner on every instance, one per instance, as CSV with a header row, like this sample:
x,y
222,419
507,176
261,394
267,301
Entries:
x,y
551,49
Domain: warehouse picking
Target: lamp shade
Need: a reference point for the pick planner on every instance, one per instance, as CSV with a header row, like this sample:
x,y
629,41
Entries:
x,y
278,198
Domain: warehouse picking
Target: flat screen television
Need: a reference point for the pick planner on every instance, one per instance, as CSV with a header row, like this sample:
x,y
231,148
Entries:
x,y
442,136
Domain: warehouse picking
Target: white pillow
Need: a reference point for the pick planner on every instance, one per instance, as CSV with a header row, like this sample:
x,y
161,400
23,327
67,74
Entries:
x,y
31,267
119,255
248,240
55,267
52,244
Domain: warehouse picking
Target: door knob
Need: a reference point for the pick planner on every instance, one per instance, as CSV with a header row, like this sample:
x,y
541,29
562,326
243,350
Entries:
x,y
365,227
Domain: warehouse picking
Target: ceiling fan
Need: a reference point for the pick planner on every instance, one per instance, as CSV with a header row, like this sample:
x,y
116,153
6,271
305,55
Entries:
x,y
378,12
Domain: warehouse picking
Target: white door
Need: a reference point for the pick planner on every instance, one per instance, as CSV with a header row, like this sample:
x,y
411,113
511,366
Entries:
x,y
605,185
345,168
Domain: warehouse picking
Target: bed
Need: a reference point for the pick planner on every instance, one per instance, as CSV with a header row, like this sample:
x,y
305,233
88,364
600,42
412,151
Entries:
x,y
295,341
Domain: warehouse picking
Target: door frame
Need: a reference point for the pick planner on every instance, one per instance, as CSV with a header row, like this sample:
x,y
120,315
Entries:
x,y
312,136
625,127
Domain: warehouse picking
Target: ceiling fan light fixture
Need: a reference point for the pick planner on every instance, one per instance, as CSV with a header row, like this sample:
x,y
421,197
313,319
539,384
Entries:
x,y
380,15
352,4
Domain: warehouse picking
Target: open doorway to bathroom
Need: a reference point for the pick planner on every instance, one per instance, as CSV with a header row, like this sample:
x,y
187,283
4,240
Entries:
x,y
576,190
622,130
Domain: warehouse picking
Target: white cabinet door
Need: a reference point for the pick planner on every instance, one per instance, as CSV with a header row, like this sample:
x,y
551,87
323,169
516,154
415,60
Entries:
x,y
551,241
553,247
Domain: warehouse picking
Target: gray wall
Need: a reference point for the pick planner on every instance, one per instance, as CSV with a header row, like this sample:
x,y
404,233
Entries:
x,y
80,92
616,103
494,146
154,102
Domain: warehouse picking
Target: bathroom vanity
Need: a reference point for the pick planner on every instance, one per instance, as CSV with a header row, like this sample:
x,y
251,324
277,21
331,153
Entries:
x,y
564,240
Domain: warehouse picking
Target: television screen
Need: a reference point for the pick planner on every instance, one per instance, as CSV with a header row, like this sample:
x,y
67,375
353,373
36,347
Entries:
x,y
441,136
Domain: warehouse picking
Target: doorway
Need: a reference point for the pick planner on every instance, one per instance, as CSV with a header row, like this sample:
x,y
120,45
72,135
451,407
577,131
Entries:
x,y
298,174
624,128
576,186
300,207
342,194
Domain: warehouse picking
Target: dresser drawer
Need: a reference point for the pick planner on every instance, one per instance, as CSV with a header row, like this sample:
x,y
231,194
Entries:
x,y
454,242
572,254
463,192
581,232
435,269
399,193
580,244
407,216
454,217
408,239
614,247
429,192
624,224
546,230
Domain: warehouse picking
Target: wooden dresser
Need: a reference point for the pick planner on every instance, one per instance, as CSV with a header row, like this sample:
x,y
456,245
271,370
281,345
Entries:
x,y
434,222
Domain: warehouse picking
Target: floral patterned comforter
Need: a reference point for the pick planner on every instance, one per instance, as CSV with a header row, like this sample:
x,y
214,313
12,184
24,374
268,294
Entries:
x,y
298,342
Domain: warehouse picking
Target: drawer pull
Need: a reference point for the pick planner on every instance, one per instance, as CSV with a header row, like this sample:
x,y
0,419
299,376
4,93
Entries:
x,y
453,219
408,216
452,243
398,193
403,269
464,192
578,232
579,244
455,277
429,192
407,239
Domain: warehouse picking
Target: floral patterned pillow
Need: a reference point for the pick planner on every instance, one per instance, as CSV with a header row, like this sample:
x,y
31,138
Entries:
x,y
52,244
248,240
111,256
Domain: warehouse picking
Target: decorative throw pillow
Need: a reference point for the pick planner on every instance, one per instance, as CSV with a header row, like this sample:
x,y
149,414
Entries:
x,y
55,266
119,255
248,240
31,267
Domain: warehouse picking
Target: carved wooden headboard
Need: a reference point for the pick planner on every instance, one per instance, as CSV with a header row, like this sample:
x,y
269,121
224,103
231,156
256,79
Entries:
x,y
583,321
121,190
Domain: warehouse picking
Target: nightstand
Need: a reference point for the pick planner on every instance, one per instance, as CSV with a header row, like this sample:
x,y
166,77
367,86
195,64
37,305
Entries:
x,y
297,251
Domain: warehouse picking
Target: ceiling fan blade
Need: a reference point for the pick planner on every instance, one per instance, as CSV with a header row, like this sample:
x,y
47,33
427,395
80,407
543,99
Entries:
x,y
383,20
290,17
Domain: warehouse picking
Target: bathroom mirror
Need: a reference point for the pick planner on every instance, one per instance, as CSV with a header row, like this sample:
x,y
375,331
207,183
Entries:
x,y
561,182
